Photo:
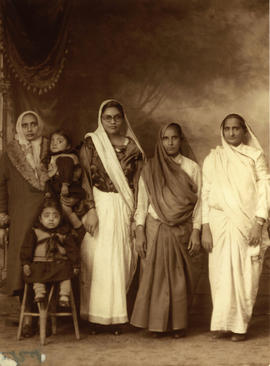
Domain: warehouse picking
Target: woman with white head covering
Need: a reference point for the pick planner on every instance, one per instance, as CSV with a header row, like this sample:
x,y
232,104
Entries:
x,y
22,181
111,158
235,206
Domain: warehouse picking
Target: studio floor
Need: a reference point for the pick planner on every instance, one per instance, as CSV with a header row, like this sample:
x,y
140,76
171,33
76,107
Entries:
x,y
135,347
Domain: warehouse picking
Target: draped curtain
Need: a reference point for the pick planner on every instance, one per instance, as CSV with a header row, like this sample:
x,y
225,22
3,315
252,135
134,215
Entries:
x,y
36,36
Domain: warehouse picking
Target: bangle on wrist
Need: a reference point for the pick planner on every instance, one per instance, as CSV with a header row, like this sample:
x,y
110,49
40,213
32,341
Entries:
x,y
259,221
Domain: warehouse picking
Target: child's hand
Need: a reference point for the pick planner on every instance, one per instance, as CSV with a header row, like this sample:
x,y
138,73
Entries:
x,y
64,189
26,270
67,210
76,271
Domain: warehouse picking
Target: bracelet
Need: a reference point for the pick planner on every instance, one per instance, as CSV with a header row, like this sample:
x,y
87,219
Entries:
x,y
4,220
259,220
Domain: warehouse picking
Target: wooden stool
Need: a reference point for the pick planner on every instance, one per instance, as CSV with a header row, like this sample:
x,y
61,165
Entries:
x,y
44,313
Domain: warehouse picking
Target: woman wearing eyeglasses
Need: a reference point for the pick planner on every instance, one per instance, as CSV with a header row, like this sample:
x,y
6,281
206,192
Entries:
x,y
111,159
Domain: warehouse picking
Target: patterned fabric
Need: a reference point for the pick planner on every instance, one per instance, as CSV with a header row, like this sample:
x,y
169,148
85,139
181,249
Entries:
x,y
18,160
128,156
37,68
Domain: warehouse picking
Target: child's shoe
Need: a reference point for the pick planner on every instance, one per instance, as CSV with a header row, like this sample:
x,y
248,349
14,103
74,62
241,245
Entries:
x,y
64,301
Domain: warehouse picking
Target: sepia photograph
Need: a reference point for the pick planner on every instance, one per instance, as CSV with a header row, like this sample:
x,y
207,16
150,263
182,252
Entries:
x,y
134,183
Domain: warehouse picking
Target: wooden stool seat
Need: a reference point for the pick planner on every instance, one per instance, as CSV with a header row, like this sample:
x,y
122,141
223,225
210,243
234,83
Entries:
x,y
44,313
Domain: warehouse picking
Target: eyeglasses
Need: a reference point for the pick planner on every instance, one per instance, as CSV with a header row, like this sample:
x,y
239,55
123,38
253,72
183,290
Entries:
x,y
109,118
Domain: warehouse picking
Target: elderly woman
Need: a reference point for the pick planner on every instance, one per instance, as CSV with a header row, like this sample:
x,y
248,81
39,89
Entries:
x,y
168,219
235,199
22,181
111,158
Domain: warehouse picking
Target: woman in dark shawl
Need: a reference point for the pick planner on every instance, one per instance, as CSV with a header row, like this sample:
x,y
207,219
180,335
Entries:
x,y
168,219
22,183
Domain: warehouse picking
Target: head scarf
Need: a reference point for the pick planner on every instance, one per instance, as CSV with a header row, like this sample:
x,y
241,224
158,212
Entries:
x,y
250,139
171,191
31,149
234,175
108,156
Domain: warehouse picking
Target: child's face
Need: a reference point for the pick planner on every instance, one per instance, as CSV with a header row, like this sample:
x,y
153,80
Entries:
x,y
58,143
50,218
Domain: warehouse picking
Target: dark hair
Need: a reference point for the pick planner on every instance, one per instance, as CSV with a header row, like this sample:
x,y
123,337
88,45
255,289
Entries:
x,y
51,202
238,117
62,133
177,127
113,104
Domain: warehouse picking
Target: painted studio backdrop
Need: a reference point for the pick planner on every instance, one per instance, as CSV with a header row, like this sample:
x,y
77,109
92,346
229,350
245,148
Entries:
x,y
190,61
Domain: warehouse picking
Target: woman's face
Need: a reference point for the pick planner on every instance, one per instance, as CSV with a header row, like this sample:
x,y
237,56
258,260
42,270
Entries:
x,y
233,131
171,141
112,120
30,127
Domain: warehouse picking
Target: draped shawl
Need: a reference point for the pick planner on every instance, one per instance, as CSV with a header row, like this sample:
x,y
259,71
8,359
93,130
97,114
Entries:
x,y
236,181
109,158
171,191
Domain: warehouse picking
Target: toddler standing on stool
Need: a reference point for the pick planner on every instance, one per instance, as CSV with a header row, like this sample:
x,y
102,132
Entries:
x,y
50,254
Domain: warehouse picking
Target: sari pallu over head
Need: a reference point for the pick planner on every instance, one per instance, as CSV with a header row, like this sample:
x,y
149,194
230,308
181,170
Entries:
x,y
27,156
30,148
171,191
109,158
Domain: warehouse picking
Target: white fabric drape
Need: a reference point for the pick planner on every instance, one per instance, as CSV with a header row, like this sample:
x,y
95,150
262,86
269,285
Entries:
x,y
108,259
109,159
235,191
107,262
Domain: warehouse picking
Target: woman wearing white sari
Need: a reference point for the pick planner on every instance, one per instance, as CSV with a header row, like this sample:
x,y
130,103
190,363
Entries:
x,y
111,159
235,206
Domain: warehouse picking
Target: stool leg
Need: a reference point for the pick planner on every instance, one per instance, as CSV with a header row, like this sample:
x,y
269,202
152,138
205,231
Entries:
x,y
53,305
42,322
22,312
43,311
74,314
53,319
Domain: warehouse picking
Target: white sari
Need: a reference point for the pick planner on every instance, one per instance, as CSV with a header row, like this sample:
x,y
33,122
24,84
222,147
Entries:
x,y
235,191
108,259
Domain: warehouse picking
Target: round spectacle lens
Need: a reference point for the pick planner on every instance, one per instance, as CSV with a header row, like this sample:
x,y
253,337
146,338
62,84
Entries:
x,y
109,118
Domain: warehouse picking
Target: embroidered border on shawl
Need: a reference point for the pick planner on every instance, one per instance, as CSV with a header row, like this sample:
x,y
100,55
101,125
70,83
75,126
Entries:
x,y
18,160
